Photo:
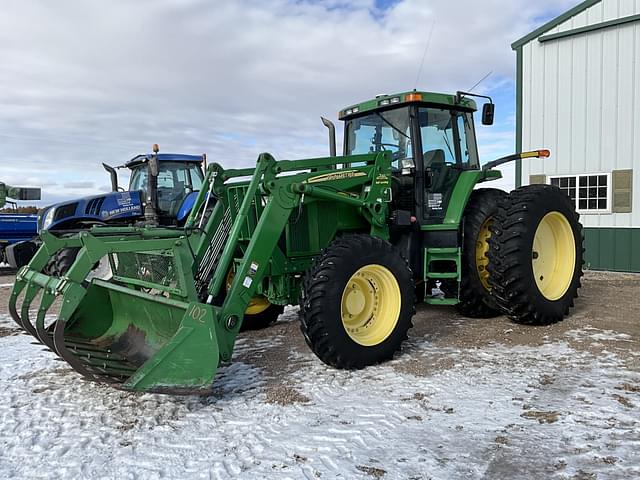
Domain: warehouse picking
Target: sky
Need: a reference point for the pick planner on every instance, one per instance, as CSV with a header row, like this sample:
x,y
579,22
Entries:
x,y
86,82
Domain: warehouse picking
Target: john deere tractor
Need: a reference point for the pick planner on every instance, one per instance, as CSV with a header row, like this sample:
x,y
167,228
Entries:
x,y
356,240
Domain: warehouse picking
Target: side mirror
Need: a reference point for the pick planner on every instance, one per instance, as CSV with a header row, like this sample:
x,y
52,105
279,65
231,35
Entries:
x,y
488,110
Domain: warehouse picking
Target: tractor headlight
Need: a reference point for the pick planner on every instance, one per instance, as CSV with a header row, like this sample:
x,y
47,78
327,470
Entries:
x,y
48,218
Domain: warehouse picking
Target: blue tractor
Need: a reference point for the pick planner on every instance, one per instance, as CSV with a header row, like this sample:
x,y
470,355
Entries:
x,y
14,226
162,189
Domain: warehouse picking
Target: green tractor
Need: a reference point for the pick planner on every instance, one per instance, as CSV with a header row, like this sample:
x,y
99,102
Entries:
x,y
8,192
355,240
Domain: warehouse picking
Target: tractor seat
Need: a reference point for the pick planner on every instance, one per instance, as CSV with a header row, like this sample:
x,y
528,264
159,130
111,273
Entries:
x,y
170,198
433,158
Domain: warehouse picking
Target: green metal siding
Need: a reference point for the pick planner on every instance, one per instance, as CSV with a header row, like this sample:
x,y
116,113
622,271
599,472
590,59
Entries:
x,y
616,249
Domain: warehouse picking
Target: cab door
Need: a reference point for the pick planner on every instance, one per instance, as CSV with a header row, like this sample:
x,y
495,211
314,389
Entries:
x,y
445,154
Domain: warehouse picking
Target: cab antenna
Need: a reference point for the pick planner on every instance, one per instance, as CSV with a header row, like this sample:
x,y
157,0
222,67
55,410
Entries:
x,y
480,81
424,54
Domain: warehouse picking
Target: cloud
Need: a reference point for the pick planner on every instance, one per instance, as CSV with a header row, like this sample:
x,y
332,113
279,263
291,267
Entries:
x,y
81,83
79,185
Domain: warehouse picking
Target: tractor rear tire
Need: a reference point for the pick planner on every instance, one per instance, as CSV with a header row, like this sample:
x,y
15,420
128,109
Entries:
x,y
263,319
358,302
536,255
475,290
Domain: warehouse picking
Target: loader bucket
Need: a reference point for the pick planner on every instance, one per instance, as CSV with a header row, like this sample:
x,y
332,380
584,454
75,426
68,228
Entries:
x,y
118,334
145,342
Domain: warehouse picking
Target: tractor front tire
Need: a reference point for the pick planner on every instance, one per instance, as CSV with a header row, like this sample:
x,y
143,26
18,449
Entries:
x,y
61,261
358,302
261,320
475,290
536,255
260,313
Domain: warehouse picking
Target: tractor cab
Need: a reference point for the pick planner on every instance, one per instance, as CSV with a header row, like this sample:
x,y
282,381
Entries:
x,y
431,140
162,190
167,184
179,178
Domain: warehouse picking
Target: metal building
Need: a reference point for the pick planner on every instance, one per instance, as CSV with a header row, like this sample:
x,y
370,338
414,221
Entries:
x,y
578,94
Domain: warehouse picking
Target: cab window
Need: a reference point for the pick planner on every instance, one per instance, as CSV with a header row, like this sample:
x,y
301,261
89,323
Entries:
x,y
467,139
438,136
447,138
381,131
175,181
139,179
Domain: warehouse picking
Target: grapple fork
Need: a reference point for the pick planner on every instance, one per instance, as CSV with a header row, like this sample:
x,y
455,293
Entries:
x,y
118,334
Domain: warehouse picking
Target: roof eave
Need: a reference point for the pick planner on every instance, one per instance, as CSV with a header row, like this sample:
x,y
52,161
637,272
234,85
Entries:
x,y
553,23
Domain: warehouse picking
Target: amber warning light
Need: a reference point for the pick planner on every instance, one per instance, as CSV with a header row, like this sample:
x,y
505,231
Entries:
x,y
413,97
536,153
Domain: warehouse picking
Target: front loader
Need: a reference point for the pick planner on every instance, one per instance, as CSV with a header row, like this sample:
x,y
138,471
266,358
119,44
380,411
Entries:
x,y
355,239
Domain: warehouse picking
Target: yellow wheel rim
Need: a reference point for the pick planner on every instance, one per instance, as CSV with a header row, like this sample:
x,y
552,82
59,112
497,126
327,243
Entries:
x,y
553,255
258,304
482,247
370,305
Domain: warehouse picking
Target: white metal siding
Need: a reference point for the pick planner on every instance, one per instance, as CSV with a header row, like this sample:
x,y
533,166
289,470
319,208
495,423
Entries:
x,y
581,99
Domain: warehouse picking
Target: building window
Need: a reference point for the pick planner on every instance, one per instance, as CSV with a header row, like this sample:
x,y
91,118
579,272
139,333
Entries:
x,y
590,193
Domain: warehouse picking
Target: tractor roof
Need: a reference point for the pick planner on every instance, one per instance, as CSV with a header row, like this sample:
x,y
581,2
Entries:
x,y
164,157
383,101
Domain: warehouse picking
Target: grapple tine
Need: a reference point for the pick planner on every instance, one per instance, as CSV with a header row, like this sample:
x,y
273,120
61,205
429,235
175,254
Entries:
x,y
24,278
18,286
61,349
45,336
29,295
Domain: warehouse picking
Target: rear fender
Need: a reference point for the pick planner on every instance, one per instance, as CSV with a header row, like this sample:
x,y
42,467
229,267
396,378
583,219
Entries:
x,y
187,205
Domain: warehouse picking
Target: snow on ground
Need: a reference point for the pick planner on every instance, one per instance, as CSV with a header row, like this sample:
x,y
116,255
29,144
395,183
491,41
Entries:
x,y
466,399
2,282
548,411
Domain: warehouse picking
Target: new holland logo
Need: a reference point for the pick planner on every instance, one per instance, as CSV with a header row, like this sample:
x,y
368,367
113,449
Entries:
x,y
336,176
